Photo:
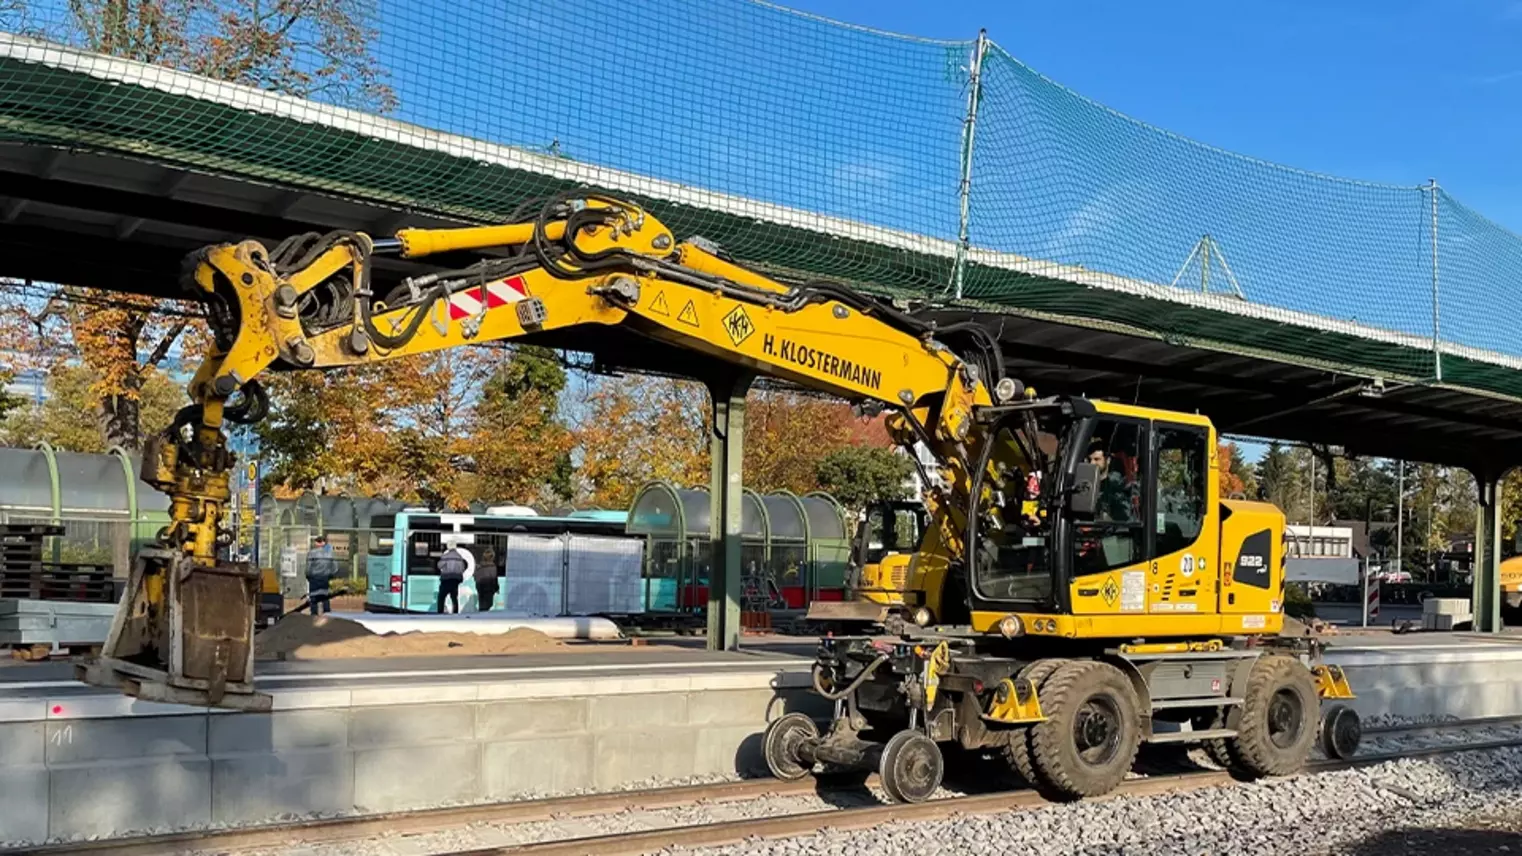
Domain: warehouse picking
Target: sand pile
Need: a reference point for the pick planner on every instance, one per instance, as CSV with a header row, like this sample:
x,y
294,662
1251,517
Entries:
x,y
308,637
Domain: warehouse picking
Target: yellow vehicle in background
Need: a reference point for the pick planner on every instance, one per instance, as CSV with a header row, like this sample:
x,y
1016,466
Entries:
x,y
1511,582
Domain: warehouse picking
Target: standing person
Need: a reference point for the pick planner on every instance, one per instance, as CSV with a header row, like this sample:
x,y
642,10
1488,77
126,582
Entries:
x,y
320,569
451,567
486,579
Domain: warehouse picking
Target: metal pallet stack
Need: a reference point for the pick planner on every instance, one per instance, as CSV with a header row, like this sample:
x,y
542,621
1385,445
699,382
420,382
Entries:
x,y
44,605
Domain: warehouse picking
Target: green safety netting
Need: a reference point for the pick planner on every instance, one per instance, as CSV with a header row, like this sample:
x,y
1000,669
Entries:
x,y
808,147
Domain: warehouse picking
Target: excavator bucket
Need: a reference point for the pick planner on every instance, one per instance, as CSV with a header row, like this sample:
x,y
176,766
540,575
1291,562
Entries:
x,y
864,611
183,632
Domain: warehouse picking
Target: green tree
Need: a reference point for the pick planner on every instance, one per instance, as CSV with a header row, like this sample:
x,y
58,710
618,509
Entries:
x,y
1365,489
1511,511
519,447
1280,481
859,475
70,418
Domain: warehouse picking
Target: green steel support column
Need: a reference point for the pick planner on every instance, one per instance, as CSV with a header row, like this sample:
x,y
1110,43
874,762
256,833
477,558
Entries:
x,y
726,450
1487,556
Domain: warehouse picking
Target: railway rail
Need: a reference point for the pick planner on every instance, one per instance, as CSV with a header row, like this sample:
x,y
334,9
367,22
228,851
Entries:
x,y
414,823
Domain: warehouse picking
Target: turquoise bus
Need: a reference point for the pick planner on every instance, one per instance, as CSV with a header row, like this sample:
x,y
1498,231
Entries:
x,y
581,564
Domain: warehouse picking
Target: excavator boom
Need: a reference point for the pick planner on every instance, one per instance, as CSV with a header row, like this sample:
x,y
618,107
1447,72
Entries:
x,y
184,630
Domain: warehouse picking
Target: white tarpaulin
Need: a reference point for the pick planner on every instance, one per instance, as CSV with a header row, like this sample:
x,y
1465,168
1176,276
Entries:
x,y
486,623
1335,571
603,575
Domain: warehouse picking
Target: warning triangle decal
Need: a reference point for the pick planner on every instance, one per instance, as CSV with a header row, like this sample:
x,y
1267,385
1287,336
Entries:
x,y
689,314
658,305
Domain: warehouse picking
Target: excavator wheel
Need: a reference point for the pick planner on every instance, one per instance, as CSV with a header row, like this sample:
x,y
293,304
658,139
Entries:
x,y
911,767
780,746
1276,723
1215,748
1017,750
1091,733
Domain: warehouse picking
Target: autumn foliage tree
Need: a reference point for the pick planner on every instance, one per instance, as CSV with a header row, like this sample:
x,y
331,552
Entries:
x,y
306,48
635,429
445,429
638,429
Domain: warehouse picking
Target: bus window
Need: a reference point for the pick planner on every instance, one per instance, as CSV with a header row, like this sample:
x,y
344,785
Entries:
x,y
382,534
423,550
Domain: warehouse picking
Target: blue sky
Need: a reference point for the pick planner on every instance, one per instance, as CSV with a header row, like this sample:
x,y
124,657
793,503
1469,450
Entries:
x,y
1394,91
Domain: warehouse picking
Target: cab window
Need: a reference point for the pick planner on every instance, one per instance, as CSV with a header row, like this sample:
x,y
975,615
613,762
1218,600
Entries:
x,y
1182,475
1014,561
890,530
1115,536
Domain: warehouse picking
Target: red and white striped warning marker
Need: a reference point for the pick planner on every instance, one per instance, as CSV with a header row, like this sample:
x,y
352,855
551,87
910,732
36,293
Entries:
x,y
1372,595
499,292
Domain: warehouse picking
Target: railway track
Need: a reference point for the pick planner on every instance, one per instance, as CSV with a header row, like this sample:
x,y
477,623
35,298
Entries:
x,y
423,822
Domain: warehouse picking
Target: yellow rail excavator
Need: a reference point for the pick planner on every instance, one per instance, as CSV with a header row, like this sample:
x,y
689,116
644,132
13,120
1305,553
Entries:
x,y
1084,591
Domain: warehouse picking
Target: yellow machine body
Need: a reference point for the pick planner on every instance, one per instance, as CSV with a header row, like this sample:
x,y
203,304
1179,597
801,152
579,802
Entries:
x,y
586,265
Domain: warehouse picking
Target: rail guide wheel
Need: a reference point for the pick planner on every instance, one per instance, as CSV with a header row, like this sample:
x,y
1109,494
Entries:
x,y
911,767
781,743
1341,732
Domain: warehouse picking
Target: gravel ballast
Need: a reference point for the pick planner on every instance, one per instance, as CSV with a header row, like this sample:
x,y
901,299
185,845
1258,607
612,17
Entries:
x,y
1408,806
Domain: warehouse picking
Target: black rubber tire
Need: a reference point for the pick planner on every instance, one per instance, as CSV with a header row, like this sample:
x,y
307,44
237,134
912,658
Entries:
x,y
911,767
1279,718
1098,694
779,746
1017,749
1219,753
1216,749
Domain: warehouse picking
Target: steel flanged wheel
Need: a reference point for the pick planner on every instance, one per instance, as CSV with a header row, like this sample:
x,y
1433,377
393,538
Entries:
x,y
1341,732
781,743
911,767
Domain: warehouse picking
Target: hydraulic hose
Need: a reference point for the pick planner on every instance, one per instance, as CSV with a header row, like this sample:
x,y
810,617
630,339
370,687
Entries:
x,y
851,687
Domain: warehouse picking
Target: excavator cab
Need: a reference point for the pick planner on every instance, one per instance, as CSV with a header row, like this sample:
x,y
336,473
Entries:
x,y
1112,596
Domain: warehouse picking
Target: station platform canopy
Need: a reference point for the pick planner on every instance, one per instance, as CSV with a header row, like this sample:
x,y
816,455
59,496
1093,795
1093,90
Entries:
x,y
798,543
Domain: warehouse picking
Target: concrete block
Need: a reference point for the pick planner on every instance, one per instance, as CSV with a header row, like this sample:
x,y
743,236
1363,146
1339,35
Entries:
x,y
84,740
729,749
280,731
729,707
634,756
23,803
397,779
642,711
411,725
22,744
130,796
1445,606
497,720
259,788
513,768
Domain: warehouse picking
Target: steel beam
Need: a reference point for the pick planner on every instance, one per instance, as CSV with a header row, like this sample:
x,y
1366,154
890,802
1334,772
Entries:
x,y
726,452
1487,555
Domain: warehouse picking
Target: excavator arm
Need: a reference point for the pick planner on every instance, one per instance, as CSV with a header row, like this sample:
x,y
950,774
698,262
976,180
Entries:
x,y
580,264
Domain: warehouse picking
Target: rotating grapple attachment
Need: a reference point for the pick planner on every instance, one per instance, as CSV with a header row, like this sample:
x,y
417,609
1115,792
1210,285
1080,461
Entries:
x,y
183,631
